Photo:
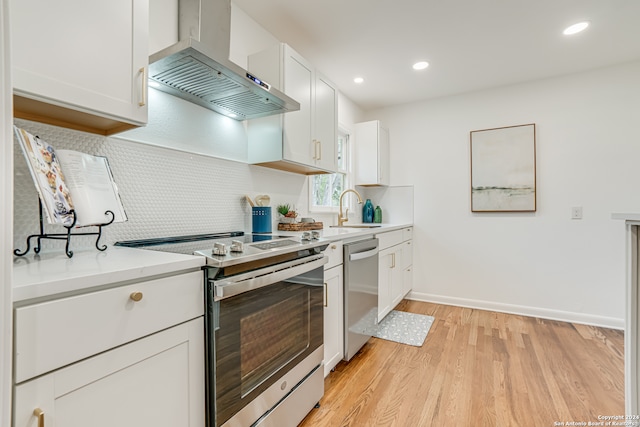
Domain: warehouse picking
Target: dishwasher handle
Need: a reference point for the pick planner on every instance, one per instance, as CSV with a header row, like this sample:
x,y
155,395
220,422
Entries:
x,y
362,255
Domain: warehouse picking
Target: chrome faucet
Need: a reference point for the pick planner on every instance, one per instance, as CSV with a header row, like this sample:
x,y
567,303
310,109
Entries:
x,y
342,219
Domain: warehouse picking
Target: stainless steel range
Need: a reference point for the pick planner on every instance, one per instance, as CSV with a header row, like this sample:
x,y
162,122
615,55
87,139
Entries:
x,y
264,324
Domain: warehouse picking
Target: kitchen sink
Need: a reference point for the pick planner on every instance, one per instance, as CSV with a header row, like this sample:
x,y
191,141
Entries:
x,y
357,226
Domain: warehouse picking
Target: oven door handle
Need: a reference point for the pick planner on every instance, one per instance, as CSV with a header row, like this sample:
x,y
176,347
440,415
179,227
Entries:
x,y
267,276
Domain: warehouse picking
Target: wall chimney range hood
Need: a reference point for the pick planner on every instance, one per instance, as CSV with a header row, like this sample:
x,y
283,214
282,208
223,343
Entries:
x,y
198,69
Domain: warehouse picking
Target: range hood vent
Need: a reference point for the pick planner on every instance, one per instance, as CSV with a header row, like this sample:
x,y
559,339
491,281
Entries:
x,y
201,73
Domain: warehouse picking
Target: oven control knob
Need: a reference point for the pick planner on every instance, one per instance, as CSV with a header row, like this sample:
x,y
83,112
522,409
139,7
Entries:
x,y
219,249
236,246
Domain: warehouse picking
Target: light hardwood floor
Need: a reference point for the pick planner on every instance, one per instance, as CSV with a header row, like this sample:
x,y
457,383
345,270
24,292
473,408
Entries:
x,y
479,368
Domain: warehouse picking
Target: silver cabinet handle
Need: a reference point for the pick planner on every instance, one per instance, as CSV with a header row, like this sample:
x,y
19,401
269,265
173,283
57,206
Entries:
x,y
143,90
393,260
326,294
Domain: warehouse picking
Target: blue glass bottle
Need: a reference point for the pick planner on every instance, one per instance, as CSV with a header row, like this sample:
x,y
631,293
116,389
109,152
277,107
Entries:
x,y
367,211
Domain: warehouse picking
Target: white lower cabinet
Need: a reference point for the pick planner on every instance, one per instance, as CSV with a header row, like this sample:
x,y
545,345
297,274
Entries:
x,y
395,269
390,276
127,356
155,381
407,261
333,308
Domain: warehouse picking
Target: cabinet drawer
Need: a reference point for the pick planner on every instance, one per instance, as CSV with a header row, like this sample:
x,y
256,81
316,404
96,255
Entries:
x,y
52,334
388,239
407,233
334,252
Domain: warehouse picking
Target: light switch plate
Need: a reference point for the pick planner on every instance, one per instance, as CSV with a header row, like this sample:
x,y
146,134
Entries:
x,y
576,212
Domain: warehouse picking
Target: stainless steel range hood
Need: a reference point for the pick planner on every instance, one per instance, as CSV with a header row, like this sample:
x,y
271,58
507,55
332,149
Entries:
x,y
198,69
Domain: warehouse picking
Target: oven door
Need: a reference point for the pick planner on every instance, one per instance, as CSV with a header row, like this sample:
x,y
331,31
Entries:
x,y
265,323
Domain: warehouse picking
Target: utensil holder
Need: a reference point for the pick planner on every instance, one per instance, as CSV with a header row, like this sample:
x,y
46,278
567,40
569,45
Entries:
x,y
261,219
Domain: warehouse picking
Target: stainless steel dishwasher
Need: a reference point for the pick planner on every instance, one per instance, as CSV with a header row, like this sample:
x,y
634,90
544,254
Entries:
x,y
360,294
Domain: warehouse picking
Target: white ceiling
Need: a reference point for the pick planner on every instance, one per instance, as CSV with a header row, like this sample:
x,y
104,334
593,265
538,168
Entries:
x,y
470,44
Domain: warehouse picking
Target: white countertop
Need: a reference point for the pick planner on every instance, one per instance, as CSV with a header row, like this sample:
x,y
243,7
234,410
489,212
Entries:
x,y
52,274
48,274
348,234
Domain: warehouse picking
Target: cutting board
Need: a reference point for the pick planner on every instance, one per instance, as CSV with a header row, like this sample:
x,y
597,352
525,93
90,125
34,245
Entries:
x,y
300,226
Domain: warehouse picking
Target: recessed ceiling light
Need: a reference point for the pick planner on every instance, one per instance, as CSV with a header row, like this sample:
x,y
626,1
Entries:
x,y
358,80
420,65
576,28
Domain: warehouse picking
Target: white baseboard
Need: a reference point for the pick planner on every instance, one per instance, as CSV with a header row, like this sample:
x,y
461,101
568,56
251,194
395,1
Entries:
x,y
544,313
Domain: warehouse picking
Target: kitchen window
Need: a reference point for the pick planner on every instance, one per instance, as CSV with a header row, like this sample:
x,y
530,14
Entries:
x,y
325,190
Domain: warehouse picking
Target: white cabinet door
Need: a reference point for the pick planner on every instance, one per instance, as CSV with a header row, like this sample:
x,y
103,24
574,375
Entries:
x,y
326,124
395,267
407,262
86,56
371,154
333,318
407,280
384,283
297,132
397,275
155,381
384,165
389,279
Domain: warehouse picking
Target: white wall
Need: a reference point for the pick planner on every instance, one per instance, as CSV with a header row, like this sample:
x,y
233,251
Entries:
x,y
247,37
540,263
6,218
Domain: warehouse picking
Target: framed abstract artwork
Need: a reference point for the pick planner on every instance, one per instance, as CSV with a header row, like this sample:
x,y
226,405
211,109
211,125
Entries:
x,y
503,169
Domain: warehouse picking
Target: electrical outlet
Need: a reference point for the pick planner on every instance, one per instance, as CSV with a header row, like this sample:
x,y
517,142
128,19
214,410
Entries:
x,y
576,212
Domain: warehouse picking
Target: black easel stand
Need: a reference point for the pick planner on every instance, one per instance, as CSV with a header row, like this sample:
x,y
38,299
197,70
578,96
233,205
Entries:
x,y
63,236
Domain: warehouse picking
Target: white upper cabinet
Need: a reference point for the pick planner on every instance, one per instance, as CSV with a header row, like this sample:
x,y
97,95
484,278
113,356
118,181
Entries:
x,y
326,124
80,64
371,154
302,141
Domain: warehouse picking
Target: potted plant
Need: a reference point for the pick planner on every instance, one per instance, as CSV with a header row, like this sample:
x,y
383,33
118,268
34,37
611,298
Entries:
x,y
288,215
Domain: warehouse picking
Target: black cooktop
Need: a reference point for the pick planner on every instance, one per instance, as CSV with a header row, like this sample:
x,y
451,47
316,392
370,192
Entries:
x,y
197,242
254,246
